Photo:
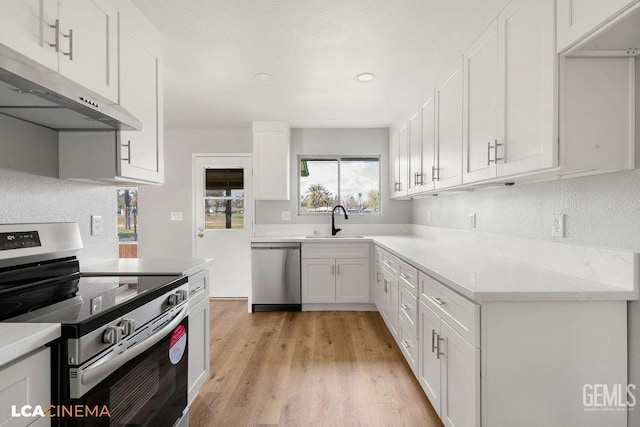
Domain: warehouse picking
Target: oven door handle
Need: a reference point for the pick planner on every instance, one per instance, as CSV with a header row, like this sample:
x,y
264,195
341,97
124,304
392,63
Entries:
x,y
99,372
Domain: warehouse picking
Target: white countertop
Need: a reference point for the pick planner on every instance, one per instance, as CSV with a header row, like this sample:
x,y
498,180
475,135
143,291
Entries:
x,y
149,266
483,277
18,339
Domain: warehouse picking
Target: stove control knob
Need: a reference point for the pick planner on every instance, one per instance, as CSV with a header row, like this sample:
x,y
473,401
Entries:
x,y
127,326
112,335
174,299
183,295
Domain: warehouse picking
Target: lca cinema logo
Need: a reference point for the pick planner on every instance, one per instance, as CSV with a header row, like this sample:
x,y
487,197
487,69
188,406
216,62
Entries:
x,y
60,411
608,397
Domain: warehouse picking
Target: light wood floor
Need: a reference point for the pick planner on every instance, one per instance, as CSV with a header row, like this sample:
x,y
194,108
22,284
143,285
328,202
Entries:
x,y
306,368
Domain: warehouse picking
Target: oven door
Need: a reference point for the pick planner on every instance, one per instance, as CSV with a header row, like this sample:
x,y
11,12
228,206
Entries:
x,y
145,384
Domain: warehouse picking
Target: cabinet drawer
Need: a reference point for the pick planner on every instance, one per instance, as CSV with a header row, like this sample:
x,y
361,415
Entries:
x,y
460,313
333,250
409,307
390,261
198,287
408,342
408,276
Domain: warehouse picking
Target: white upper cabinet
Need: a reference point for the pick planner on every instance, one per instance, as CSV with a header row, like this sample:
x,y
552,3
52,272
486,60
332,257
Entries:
x,y
399,159
428,122
88,42
141,153
449,129
527,113
578,18
481,107
272,159
29,27
77,38
415,153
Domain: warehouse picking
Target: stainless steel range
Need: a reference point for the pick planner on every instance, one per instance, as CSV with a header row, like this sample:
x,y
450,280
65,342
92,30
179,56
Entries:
x,y
123,341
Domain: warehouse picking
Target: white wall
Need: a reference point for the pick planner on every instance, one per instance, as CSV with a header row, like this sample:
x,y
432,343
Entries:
x,y
31,192
158,236
337,141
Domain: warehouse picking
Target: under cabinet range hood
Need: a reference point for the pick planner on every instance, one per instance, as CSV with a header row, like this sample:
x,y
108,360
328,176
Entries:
x,y
36,94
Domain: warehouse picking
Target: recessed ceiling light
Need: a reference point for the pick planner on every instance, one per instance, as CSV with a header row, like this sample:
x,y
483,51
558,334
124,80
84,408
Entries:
x,y
263,77
365,77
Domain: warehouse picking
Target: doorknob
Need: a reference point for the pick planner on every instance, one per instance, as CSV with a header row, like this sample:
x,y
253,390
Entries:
x,y
200,232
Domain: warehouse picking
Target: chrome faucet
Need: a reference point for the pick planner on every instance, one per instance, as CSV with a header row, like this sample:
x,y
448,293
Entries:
x,y
335,230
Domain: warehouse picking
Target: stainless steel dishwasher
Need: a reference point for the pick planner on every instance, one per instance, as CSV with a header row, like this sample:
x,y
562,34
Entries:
x,y
275,277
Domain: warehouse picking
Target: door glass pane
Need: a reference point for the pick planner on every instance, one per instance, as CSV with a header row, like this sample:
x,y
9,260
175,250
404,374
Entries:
x,y
224,199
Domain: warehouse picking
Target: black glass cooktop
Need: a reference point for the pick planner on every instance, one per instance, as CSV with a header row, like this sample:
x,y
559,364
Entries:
x,y
82,304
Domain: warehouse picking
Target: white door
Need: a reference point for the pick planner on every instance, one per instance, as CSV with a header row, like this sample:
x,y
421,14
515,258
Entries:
x,y
480,107
428,119
394,163
403,157
319,280
449,130
352,280
415,152
223,220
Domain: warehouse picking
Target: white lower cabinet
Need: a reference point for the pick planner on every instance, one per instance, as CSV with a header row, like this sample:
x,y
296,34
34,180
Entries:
x,y
26,381
199,331
335,273
449,371
335,280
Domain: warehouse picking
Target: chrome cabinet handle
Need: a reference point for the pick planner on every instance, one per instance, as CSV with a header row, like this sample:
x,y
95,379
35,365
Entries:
x,y
495,151
56,44
489,147
405,306
196,290
70,37
386,286
420,178
406,344
128,158
404,275
377,277
437,300
433,173
438,352
433,340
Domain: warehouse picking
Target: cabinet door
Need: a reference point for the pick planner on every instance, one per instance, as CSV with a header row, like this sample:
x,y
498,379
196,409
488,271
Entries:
x,y
142,152
352,280
318,280
527,87
378,283
272,160
198,347
480,107
28,27
88,45
403,160
394,306
415,153
577,18
460,380
394,164
429,364
25,382
449,129
428,122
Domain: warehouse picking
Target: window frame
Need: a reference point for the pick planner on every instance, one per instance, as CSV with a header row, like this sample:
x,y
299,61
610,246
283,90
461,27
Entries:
x,y
338,158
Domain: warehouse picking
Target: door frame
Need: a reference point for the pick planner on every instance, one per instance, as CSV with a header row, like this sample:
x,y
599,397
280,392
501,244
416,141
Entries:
x,y
194,179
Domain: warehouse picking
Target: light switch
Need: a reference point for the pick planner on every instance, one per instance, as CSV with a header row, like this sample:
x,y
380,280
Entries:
x,y
285,216
177,216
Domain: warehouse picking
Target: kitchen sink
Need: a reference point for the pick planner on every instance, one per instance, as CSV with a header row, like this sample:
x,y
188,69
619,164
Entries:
x,y
346,236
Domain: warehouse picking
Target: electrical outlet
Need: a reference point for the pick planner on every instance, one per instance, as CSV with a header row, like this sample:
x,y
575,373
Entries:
x,y
96,225
558,225
177,216
285,216
472,220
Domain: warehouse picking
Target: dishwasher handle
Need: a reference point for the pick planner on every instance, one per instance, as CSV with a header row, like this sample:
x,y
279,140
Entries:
x,y
275,245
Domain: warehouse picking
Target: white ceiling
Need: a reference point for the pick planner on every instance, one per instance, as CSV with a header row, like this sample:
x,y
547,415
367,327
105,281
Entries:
x,y
313,49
